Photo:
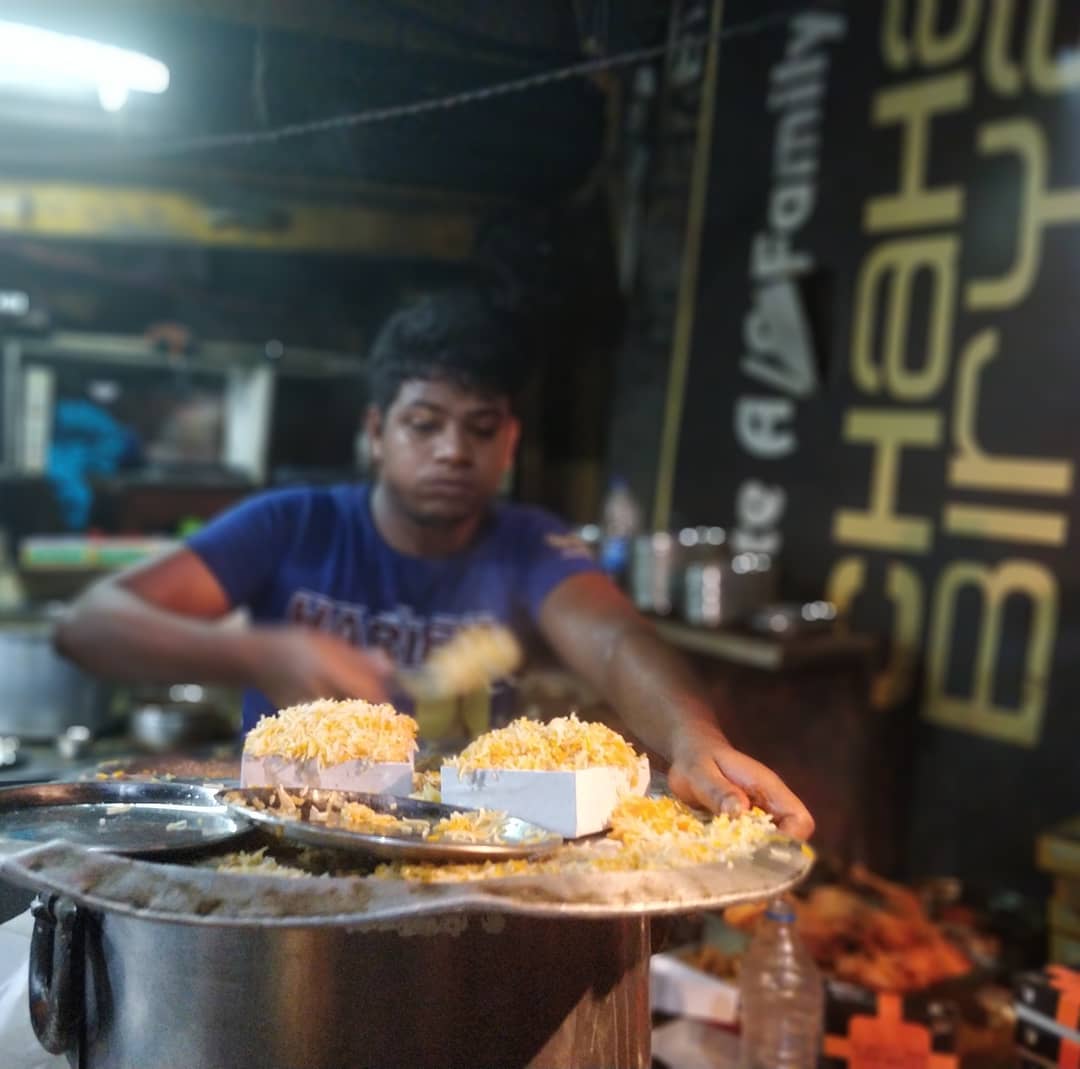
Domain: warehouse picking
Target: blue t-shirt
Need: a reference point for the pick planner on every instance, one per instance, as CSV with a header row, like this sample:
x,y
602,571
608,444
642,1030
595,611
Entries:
x,y
314,557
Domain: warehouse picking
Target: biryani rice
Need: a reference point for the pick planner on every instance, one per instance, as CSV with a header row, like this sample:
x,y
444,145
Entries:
x,y
565,744
333,732
647,834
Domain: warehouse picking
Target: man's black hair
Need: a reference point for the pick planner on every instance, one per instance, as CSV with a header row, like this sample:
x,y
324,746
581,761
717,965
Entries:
x,y
458,337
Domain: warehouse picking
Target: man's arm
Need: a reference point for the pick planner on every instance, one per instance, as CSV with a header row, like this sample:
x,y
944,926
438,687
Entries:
x,y
599,634
156,622
160,622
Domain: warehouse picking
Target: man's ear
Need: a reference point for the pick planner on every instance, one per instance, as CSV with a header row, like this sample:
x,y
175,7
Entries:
x,y
513,440
373,427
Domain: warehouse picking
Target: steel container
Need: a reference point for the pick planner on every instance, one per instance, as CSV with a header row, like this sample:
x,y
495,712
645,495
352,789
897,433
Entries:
x,y
116,991
136,964
41,693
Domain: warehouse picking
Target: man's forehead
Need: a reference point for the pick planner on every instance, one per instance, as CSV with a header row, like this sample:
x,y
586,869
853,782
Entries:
x,y
449,397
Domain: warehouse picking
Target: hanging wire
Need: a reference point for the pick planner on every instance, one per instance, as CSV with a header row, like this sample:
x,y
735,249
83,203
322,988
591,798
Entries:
x,y
432,105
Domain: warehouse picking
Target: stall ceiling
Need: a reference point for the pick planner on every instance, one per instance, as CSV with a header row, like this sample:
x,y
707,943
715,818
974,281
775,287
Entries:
x,y
242,65
112,221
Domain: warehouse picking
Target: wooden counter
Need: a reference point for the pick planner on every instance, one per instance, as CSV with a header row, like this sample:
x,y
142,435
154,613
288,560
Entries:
x,y
763,651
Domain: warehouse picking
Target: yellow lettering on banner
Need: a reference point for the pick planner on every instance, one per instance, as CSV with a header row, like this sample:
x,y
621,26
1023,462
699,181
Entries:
x,y
881,527
1049,74
932,49
977,713
972,468
894,683
1022,138
893,266
895,46
936,49
905,591
1001,73
844,585
1034,526
1046,72
914,106
1039,208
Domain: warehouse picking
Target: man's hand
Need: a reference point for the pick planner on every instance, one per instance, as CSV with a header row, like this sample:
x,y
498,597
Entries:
x,y
707,771
294,664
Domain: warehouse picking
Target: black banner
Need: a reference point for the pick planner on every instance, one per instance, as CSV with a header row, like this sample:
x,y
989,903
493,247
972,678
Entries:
x,y
885,374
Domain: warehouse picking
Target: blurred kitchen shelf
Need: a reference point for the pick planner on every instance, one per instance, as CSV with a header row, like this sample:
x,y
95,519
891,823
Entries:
x,y
68,553
250,376
220,357
764,651
59,567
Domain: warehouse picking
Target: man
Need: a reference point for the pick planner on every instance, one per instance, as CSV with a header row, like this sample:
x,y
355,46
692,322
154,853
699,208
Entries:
x,y
341,583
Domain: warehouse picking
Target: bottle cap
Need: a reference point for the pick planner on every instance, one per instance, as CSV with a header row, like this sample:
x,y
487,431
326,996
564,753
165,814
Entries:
x,y
780,909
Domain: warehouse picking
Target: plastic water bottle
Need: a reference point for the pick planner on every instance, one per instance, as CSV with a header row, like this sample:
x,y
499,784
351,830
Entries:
x,y
622,521
782,996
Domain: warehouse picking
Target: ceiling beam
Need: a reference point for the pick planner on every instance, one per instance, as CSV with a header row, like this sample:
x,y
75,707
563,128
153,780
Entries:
x,y
209,181
71,212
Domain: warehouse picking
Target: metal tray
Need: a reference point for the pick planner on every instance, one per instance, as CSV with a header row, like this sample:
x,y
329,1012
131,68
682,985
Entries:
x,y
121,817
206,768
192,894
515,837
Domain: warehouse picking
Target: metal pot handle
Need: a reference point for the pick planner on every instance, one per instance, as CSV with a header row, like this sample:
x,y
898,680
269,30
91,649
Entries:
x,y
54,994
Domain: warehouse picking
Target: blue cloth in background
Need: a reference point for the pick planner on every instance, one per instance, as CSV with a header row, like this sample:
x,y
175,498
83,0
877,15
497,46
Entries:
x,y
86,441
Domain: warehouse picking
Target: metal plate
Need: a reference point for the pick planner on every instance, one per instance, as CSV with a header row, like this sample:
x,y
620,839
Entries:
x,y
514,837
138,819
211,767
202,896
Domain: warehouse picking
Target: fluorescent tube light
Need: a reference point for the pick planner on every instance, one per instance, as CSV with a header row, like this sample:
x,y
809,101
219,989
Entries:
x,y
32,58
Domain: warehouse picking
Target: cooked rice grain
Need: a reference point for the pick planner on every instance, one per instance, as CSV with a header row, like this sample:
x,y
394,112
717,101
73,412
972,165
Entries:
x,y
332,732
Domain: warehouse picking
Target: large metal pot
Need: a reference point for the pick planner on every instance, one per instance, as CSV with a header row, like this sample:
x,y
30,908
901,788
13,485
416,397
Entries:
x,y
137,965
116,991
42,694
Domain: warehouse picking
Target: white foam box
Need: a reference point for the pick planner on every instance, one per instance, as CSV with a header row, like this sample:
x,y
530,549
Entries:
x,y
686,1043
365,776
678,988
571,804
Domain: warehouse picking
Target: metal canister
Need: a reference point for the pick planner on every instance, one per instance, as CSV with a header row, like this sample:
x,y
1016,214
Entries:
x,y
653,572
720,590
705,580
706,593
42,694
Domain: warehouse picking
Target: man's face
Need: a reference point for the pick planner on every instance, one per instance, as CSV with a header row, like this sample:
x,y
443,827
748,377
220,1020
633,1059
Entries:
x,y
442,451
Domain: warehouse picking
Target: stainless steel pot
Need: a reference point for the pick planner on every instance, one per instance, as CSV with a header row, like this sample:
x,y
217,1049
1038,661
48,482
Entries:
x,y
186,716
42,694
139,965
116,991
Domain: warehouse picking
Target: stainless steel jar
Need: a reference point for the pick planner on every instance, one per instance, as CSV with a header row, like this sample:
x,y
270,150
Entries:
x,y
720,590
653,572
